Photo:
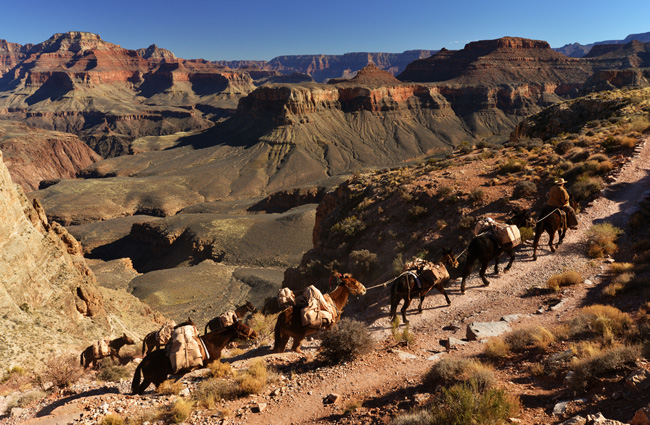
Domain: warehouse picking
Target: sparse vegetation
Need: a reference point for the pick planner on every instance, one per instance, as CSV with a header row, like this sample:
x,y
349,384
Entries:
x,y
567,278
601,239
109,371
112,419
586,187
62,371
254,379
512,165
602,320
403,335
170,387
524,189
476,197
348,340
450,371
597,362
532,336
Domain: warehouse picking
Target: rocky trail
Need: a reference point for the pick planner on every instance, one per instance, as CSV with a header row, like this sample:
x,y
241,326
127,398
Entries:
x,y
382,382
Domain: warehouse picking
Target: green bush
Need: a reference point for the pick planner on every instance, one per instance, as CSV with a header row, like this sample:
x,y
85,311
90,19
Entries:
x,y
586,187
362,261
476,196
563,147
524,189
111,372
349,226
512,166
449,371
349,339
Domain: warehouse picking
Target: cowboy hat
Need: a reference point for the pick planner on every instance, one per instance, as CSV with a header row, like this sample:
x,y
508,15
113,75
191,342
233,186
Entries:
x,y
560,181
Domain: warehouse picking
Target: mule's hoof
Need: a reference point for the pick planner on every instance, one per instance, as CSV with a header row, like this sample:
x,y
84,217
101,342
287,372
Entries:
x,y
486,283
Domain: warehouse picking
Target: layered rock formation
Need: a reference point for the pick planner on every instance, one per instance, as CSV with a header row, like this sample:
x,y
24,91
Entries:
x,y
47,291
78,83
577,50
33,155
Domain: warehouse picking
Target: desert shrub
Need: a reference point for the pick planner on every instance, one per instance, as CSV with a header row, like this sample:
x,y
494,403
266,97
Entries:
x,y
450,371
621,268
611,144
465,404
111,372
421,417
512,165
465,147
466,222
402,336
253,379
578,155
417,212
13,375
444,191
349,226
604,167
62,371
601,239
628,142
211,391
398,264
598,157
638,123
523,189
348,340
362,261
586,187
112,419
599,362
567,278
220,370
563,147
601,320
618,284
496,348
170,387
26,399
526,233
537,336
441,224
179,411
263,325
476,196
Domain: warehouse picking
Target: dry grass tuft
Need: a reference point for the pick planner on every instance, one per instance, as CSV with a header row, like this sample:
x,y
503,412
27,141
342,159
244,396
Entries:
x,y
450,371
532,336
598,362
620,268
602,320
496,348
170,387
567,278
601,240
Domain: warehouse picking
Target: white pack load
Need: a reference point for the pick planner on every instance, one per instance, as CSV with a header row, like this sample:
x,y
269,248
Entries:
x,y
185,349
505,233
424,268
286,298
101,348
228,318
319,312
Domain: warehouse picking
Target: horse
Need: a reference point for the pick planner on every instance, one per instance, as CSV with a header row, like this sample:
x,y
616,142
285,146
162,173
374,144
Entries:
x,y
156,366
405,288
485,247
553,220
289,323
90,356
240,312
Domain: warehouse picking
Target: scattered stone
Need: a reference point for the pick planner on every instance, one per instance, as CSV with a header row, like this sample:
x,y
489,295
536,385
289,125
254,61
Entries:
x,y
258,408
599,419
16,411
276,392
562,304
568,379
609,260
435,357
638,380
331,398
576,420
480,330
511,317
641,417
588,282
405,356
540,310
560,408
514,420
452,342
185,392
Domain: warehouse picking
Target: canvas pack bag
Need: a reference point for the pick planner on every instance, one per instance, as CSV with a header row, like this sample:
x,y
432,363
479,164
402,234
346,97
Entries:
x,y
286,298
438,273
101,348
228,318
164,334
319,312
508,234
185,349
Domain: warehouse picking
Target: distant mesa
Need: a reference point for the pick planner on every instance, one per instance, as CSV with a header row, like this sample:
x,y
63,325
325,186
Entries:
x,y
156,53
369,75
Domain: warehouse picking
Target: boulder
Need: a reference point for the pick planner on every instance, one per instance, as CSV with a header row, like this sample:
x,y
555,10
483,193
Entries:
x,y
482,330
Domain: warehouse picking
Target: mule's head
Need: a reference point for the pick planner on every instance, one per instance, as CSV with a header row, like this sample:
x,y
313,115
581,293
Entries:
x,y
244,331
354,286
448,258
127,339
521,217
250,307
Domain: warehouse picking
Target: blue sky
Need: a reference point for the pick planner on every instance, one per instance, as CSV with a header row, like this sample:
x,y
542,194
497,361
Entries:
x,y
255,29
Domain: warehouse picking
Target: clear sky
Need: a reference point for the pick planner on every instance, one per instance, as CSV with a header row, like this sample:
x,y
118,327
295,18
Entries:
x,y
256,29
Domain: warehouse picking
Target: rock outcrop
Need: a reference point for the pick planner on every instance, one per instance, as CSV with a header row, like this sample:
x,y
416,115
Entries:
x,y
47,291
34,155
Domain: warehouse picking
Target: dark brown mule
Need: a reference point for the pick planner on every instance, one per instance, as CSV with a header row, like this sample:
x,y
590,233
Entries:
x,y
485,247
551,221
289,323
404,286
88,357
240,312
156,366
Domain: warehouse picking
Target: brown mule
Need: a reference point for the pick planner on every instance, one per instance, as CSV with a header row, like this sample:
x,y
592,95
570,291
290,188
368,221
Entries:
x,y
240,312
90,358
289,323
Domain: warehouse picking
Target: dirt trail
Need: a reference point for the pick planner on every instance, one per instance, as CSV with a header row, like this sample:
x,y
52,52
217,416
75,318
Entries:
x,y
391,369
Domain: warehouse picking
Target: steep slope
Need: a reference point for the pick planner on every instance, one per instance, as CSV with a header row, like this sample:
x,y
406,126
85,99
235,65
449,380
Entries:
x,y
33,155
48,293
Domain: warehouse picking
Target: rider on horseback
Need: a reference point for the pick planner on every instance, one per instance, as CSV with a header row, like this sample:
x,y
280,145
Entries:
x,y
558,197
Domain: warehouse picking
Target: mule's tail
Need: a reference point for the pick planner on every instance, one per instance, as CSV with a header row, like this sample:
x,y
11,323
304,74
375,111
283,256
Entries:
x,y
206,328
81,360
135,384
